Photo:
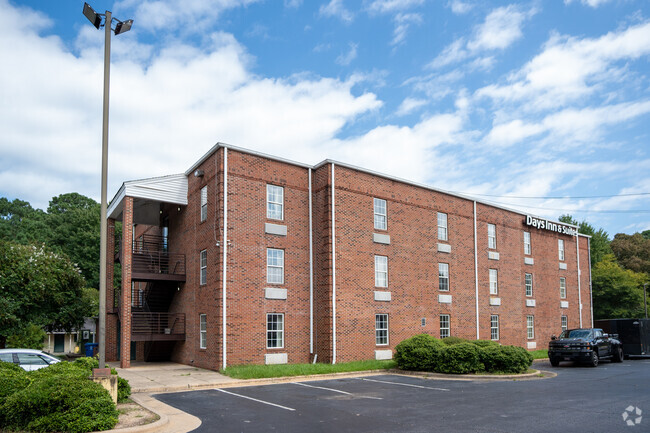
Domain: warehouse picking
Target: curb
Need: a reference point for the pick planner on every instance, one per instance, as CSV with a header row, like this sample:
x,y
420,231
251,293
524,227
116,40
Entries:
x,y
154,426
474,377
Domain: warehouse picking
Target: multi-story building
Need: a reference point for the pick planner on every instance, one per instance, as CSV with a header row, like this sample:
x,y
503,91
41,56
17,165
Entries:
x,y
248,258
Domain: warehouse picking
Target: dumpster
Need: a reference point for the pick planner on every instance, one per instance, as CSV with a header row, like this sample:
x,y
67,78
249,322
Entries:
x,y
91,349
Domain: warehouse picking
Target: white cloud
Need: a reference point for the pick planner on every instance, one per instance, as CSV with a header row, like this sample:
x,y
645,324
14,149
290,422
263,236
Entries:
x,y
402,23
459,7
568,68
591,3
292,3
501,28
409,105
335,8
346,58
388,6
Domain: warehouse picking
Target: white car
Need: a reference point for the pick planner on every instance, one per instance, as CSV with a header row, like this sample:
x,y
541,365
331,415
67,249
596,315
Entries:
x,y
28,359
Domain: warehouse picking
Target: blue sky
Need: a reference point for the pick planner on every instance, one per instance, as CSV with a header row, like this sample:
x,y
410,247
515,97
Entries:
x,y
542,106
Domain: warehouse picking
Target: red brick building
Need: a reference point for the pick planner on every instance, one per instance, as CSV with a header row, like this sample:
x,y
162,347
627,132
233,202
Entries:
x,y
329,262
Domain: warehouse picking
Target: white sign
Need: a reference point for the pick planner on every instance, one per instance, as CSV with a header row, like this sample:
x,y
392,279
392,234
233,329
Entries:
x,y
543,224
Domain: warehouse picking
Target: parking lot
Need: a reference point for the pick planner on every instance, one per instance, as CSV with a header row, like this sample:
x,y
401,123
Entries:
x,y
578,399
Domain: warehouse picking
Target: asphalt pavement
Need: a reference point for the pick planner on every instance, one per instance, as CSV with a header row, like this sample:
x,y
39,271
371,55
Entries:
x,y
603,399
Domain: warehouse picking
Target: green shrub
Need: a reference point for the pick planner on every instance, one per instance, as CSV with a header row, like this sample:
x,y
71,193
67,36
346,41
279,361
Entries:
x,y
450,341
459,358
506,359
31,337
485,343
419,352
87,362
123,387
60,402
12,379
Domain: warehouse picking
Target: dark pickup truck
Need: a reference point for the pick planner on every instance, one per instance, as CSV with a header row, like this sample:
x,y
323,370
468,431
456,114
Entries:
x,y
584,345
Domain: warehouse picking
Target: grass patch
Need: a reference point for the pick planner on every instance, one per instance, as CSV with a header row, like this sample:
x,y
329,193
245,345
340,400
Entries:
x,y
539,354
264,371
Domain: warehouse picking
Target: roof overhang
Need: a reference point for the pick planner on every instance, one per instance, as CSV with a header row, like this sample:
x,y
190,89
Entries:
x,y
148,195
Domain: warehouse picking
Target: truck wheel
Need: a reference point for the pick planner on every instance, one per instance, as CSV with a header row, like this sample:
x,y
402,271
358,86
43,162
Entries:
x,y
554,362
593,362
618,354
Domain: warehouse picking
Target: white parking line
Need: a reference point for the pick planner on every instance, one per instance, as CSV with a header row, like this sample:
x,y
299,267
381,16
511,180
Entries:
x,y
254,399
334,390
403,384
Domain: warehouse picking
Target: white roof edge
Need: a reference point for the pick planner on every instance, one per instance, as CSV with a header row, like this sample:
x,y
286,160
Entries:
x,y
116,203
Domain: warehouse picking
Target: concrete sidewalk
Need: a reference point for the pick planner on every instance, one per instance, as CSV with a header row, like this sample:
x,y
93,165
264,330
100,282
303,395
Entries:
x,y
149,377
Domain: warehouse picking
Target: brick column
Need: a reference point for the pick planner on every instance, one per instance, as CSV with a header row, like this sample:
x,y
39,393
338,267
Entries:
x,y
111,318
125,296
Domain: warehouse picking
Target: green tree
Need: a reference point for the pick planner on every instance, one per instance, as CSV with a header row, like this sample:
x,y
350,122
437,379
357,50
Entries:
x,y
632,251
617,292
39,287
74,230
19,222
31,337
599,244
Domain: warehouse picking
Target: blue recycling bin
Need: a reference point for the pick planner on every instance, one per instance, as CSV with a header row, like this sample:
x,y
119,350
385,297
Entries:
x,y
91,348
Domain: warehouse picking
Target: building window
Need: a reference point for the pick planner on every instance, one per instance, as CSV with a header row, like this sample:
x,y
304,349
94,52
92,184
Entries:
x,y
442,226
443,276
529,284
444,325
203,327
381,271
274,331
565,323
274,202
494,284
274,266
562,287
527,249
204,203
494,327
381,329
560,248
380,214
492,236
530,326
204,267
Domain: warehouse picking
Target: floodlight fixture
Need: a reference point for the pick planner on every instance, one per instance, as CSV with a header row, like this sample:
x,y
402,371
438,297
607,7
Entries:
x,y
94,18
123,26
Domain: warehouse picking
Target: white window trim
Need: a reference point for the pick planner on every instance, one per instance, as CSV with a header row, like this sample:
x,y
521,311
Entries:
x,y
564,322
528,248
378,271
441,276
443,228
203,266
530,327
377,330
204,203
279,333
560,249
448,327
526,285
494,329
269,202
562,288
269,267
378,213
494,283
492,237
203,331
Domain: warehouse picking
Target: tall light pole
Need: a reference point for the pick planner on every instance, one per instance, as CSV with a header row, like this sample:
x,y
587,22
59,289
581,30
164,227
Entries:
x,y
645,302
120,27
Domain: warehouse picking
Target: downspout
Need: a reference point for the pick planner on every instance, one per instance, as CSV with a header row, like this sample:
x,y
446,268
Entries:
x,y
591,298
476,274
311,275
333,274
579,277
224,247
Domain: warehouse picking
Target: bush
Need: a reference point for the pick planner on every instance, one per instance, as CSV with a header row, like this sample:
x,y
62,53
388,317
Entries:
x,y
31,337
460,358
450,341
123,387
485,343
506,359
418,353
12,379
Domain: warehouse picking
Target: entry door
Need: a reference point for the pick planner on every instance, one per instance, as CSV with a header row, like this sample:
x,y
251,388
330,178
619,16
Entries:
x,y
59,343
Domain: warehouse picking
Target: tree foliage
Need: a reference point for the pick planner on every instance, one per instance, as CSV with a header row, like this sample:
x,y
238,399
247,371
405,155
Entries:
x,y
617,292
632,251
39,287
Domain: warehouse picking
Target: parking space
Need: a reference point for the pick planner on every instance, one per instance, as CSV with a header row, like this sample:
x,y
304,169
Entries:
x,y
579,398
